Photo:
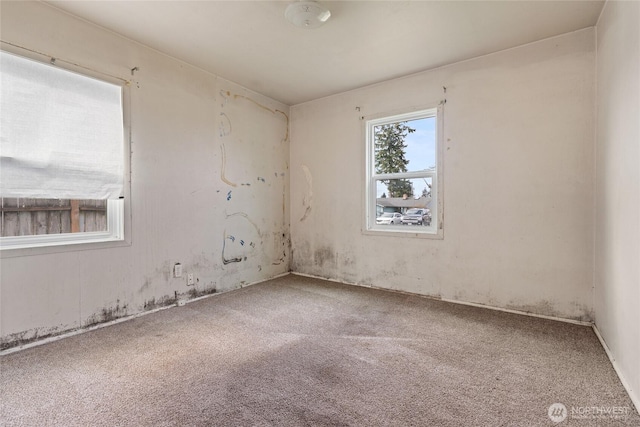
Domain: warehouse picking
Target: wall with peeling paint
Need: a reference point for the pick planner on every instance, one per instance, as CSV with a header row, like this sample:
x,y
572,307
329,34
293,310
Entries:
x,y
617,270
518,182
209,184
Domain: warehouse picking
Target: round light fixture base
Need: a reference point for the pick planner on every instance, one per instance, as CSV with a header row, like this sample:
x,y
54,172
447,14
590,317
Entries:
x,y
307,14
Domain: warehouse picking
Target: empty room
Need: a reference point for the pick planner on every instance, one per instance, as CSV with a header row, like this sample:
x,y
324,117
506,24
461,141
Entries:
x,y
308,213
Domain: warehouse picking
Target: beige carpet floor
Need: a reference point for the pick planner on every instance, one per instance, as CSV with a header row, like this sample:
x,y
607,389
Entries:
x,y
303,352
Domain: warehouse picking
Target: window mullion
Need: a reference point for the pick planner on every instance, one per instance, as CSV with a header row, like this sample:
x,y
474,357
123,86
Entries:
x,y
404,175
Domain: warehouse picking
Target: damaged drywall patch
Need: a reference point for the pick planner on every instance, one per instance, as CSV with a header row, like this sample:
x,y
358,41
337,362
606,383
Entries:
x,y
239,245
246,217
241,248
264,107
223,168
230,260
307,200
247,123
225,125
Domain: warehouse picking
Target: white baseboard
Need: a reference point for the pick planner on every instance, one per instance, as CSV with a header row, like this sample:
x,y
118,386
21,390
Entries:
x,y
632,393
80,331
83,330
472,304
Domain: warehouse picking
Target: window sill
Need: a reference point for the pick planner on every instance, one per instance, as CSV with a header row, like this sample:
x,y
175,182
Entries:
x,y
60,247
405,231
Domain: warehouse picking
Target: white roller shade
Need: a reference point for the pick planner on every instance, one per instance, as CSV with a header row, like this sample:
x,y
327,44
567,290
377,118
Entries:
x,y
61,133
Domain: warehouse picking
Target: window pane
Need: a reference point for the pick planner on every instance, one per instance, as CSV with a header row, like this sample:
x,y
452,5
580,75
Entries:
x,y
30,217
404,188
418,203
406,146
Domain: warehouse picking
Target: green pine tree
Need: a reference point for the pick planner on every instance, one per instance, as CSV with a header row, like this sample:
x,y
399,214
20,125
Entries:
x,y
390,156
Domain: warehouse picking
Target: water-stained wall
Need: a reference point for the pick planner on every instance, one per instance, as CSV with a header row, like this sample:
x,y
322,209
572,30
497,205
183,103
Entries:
x,y
518,182
209,189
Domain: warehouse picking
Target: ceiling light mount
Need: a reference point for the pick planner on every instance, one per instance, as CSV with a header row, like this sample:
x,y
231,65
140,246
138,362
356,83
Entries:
x,y
307,14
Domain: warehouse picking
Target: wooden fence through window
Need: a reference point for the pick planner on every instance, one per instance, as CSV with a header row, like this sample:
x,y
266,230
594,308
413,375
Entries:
x,y
27,217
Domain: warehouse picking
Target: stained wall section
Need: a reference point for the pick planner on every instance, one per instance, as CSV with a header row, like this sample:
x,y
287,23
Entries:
x,y
209,188
518,182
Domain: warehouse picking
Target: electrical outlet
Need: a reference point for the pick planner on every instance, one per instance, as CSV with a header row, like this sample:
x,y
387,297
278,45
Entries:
x,y
190,279
177,270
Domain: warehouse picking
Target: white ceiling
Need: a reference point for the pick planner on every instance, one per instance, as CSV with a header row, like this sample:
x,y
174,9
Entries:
x,y
364,42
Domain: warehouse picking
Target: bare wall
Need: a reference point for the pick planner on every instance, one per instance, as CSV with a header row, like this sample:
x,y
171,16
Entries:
x,y
518,182
617,255
209,185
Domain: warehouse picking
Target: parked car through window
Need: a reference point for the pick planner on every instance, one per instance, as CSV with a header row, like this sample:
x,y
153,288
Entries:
x,y
389,218
417,217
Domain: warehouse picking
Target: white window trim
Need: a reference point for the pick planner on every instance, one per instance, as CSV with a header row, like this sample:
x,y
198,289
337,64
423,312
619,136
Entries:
x,y
118,210
436,229
115,232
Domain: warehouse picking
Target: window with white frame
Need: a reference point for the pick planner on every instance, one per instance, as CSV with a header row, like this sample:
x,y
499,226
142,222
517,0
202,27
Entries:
x,y
62,156
404,183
